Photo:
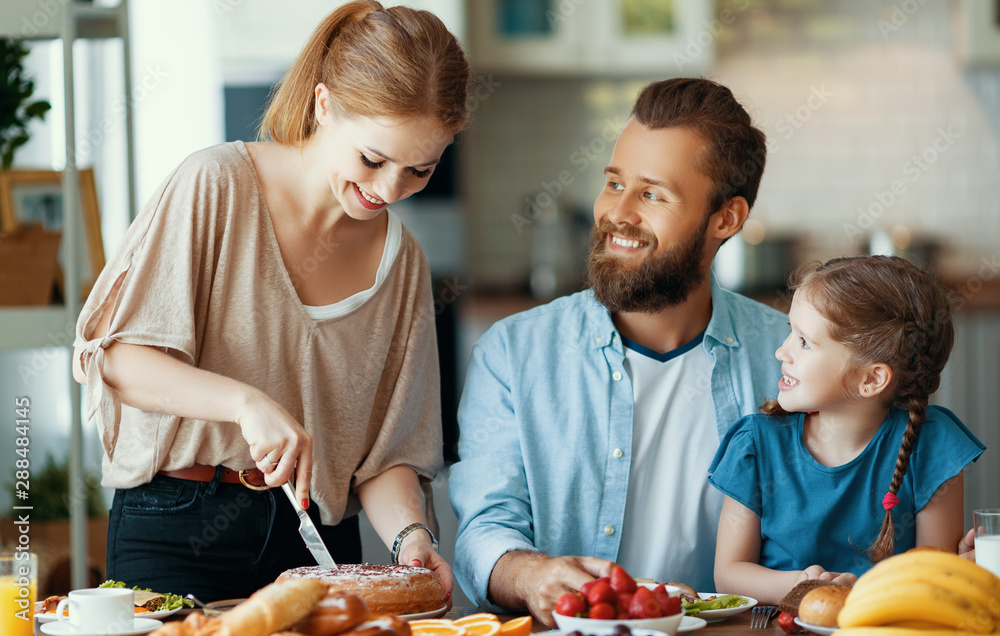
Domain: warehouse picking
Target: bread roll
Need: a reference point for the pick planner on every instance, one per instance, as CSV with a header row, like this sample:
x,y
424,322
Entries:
x,y
822,605
335,613
790,602
273,608
381,625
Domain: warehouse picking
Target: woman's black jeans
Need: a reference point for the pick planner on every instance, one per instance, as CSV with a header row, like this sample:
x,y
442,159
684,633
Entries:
x,y
212,539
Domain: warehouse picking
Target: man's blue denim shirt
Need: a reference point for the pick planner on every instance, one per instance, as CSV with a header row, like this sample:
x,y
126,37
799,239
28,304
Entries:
x,y
547,400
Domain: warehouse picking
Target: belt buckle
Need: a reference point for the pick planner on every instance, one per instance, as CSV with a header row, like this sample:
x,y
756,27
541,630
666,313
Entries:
x,y
243,479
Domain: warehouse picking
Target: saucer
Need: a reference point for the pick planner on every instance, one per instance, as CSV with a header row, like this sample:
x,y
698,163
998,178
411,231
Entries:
x,y
63,628
422,615
691,623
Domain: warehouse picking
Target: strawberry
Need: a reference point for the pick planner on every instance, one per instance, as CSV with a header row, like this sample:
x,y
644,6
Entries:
x,y
621,581
601,592
669,605
787,623
602,611
570,604
624,600
585,588
644,604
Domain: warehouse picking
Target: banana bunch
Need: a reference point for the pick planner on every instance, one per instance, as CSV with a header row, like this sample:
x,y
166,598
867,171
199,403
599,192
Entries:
x,y
922,592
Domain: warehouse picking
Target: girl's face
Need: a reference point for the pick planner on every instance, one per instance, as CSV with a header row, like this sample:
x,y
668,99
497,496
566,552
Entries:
x,y
372,162
813,364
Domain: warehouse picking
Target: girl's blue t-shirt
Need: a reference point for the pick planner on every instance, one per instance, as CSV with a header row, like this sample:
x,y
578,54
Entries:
x,y
811,514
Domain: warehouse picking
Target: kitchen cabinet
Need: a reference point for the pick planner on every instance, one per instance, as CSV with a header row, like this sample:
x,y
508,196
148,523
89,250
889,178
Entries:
x,y
28,327
661,38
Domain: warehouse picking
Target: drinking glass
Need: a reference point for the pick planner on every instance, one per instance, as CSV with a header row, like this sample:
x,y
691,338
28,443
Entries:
x,y
18,587
987,525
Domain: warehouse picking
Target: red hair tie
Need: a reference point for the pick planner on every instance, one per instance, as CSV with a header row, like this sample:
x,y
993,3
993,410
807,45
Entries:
x,y
889,501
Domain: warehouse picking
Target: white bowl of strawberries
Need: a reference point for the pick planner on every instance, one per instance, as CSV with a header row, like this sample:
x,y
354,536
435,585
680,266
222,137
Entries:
x,y
603,604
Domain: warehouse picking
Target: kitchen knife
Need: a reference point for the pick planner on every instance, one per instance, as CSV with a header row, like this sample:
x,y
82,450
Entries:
x,y
309,532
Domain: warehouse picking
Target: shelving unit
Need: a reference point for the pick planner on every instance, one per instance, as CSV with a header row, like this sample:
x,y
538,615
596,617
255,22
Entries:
x,y
26,327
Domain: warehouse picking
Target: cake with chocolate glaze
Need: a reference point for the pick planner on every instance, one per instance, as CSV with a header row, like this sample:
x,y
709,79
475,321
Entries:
x,y
387,589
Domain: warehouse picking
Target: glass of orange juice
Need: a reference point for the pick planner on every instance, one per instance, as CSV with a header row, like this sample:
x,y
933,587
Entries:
x,y
18,585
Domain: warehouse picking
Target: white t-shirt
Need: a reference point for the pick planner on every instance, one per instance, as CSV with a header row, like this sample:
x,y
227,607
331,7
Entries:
x,y
671,508
393,234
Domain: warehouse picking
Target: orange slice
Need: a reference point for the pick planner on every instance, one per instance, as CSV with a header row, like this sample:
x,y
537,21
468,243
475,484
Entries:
x,y
442,629
480,627
429,622
475,618
520,626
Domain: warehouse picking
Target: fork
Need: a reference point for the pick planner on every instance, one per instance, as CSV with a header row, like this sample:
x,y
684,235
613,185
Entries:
x,y
760,616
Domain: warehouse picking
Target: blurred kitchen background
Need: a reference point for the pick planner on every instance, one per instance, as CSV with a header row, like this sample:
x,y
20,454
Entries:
x,y
882,117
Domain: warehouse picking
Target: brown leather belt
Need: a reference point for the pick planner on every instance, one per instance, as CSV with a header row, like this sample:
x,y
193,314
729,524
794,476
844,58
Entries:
x,y
252,478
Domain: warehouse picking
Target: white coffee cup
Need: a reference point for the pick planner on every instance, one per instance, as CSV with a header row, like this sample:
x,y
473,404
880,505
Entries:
x,y
99,610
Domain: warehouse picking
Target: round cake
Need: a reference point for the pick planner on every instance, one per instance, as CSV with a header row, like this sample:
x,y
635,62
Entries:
x,y
387,589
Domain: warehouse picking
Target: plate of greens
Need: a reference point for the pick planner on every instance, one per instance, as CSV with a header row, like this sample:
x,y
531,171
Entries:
x,y
148,604
717,607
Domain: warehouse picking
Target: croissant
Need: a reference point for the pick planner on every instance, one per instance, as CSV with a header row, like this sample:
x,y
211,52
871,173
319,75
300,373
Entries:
x,y
273,608
196,624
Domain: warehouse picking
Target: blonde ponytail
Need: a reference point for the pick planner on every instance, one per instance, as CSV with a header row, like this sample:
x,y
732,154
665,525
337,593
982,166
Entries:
x,y
396,62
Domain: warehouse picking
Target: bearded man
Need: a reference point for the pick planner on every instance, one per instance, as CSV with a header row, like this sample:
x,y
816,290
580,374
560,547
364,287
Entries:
x,y
588,424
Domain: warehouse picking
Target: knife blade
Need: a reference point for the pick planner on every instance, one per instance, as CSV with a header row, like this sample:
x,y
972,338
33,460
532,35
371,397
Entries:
x,y
309,532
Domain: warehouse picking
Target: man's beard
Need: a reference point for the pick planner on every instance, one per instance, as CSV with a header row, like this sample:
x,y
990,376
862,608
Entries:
x,y
651,285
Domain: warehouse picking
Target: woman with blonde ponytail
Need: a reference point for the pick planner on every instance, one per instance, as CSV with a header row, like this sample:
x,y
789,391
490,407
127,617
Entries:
x,y
268,319
849,464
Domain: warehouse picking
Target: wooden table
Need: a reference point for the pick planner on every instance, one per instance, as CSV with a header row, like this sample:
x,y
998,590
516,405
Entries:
x,y
738,625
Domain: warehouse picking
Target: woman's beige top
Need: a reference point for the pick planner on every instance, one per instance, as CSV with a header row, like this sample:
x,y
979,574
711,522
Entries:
x,y
203,278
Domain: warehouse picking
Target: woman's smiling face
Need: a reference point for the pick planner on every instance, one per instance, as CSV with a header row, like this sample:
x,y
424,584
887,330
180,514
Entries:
x,y
371,162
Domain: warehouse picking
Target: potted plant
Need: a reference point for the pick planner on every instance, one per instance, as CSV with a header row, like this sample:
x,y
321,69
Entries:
x,y
16,108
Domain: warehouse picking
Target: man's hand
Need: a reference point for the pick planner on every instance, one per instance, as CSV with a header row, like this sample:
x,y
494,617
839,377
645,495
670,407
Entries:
x,y
533,581
967,546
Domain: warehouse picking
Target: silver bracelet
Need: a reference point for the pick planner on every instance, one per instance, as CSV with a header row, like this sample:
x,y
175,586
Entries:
x,y
402,535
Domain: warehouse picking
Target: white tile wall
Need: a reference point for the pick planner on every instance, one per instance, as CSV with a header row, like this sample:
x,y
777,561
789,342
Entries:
x,y
886,103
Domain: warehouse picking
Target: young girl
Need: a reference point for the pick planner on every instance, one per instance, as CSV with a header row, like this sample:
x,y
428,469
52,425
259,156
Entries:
x,y
849,465
267,318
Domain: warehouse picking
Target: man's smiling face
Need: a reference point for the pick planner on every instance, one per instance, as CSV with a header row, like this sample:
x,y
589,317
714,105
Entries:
x,y
648,242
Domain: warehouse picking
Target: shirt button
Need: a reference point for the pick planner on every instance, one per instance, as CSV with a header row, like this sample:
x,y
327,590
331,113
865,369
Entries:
x,y
617,453
609,529
616,375
730,340
599,340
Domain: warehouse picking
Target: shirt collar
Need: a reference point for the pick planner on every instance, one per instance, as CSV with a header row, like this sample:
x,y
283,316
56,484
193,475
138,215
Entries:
x,y
720,330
